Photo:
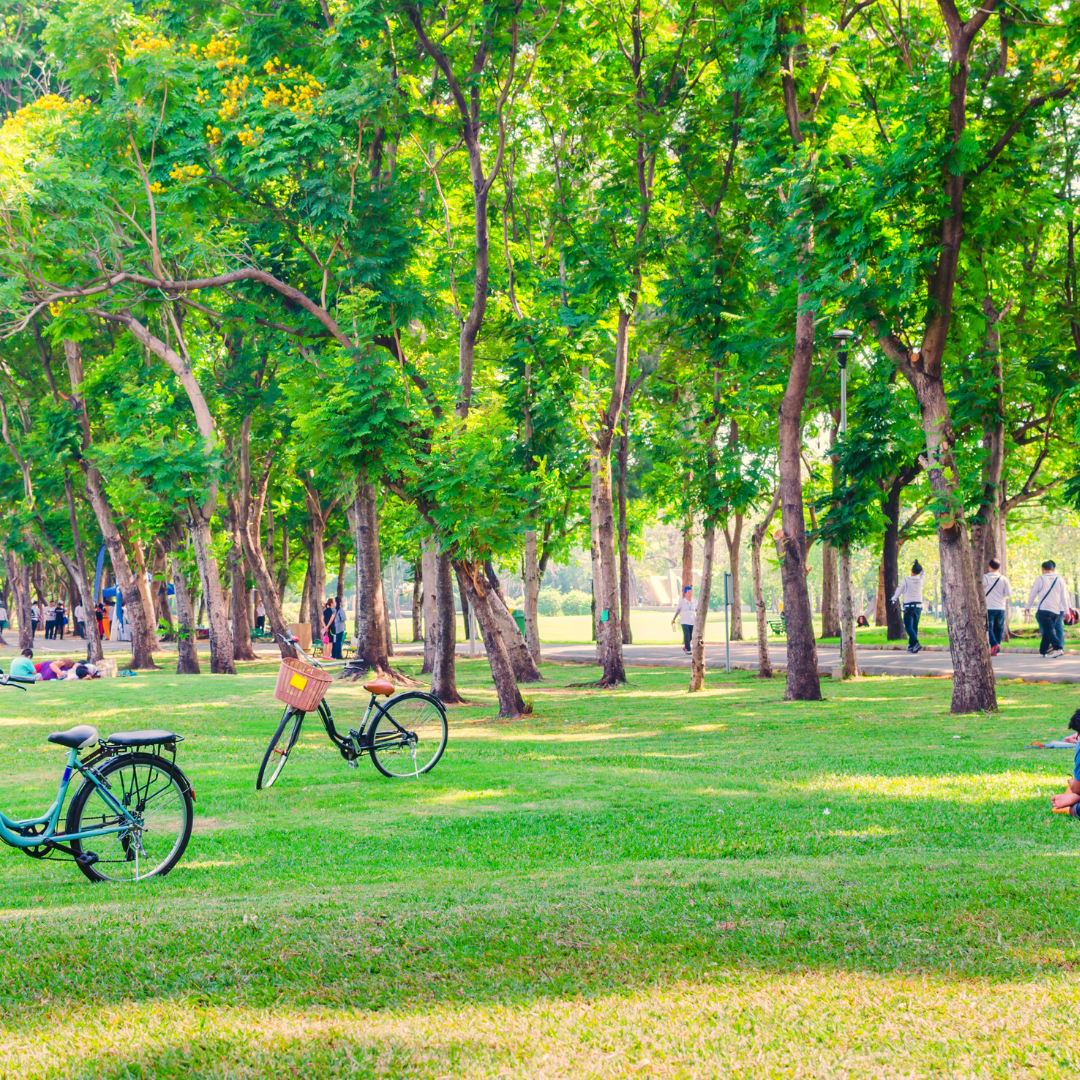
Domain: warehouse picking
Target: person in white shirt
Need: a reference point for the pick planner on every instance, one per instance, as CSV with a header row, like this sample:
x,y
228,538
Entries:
x,y
50,620
80,620
686,612
997,590
909,593
3,617
260,615
1050,601
35,618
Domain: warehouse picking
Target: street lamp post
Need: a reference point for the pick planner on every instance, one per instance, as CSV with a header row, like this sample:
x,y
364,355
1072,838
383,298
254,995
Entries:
x,y
849,660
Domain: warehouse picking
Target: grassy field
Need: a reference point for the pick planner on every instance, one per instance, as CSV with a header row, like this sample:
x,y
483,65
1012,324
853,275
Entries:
x,y
631,883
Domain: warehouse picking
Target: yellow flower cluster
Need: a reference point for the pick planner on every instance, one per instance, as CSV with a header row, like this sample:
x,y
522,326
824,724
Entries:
x,y
156,188
56,308
213,135
249,137
148,43
299,97
186,172
223,52
234,91
202,96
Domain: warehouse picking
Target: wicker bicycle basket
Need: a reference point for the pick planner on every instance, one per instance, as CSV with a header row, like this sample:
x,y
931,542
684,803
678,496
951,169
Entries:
x,y
301,685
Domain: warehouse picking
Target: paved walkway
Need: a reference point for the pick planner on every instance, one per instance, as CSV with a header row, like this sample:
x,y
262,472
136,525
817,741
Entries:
x,y
933,661
1026,665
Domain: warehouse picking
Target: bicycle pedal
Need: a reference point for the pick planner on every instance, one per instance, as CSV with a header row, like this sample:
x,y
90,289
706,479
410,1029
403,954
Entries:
x,y
87,858
352,763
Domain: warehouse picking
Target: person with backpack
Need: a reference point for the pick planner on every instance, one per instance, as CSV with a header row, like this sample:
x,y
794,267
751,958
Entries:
x,y
909,593
1050,601
997,590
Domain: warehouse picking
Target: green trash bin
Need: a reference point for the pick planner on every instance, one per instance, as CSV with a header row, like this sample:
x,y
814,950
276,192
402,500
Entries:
x,y
519,618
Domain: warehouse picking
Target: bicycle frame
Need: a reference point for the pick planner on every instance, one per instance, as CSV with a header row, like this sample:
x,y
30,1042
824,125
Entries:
x,y
358,742
50,819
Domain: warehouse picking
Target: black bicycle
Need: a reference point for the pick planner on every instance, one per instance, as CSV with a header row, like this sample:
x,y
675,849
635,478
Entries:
x,y
405,735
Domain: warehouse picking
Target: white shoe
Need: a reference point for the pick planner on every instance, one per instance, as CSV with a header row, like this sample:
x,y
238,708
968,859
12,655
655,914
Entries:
x,y
1056,653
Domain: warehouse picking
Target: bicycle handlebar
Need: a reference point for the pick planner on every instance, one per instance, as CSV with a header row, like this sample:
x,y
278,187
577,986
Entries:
x,y
14,680
295,644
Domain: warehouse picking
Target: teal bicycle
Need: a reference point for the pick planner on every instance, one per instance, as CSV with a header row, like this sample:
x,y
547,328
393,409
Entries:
x,y
129,820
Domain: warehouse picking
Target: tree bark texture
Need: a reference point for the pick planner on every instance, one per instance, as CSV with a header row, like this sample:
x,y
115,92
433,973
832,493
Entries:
x,y
687,575
142,643
879,595
317,561
624,529
429,563
242,648
610,627
221,646
443,676
890,563
85,582
697,640
370,600
532,595
418,599
803,683
594,551
830,593
849,661
187,661
19,580
733,539
757,537
481,595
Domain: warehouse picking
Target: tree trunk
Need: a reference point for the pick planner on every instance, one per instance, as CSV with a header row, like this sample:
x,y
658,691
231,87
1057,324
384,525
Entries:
x,y
532,593
879,596
242,649
187,660
160,591
525,669
19,580
142,579
756,539
418,599
594,551
282,578
697,641
830,593
890,563
802,665
688,551
443,679
430,567
985,526
848,657
611,628
85,582
371,611
480,594
142,640
342,558
624,531
370,600
317,564
221,646
733,539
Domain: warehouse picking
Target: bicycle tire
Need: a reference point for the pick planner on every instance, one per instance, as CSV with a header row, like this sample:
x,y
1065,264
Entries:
x,y
270,769
162,797
424,717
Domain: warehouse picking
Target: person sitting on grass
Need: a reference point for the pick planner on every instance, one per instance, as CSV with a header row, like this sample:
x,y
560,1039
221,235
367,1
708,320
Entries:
x,y
1069,799
23,666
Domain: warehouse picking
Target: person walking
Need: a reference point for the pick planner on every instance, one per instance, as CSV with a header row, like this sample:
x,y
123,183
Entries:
x,y
260,615
339,628
997,590
35,618
909,593
686,612
1050,602
3,617
59,618
50,620
80,620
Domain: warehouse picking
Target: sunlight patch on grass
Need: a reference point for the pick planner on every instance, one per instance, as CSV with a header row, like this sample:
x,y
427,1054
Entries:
x,y
963,788
735,1023
569,737
460,795
704,727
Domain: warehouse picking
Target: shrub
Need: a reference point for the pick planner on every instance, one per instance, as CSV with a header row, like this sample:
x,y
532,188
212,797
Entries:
x,y
577,602
549,602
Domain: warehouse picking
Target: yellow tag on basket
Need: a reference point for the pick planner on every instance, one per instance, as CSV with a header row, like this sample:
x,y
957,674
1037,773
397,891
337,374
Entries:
x,y
298,681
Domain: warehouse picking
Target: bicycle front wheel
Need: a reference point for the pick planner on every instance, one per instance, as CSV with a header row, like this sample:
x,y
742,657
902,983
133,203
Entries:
x,y
409,736
281,746
158,796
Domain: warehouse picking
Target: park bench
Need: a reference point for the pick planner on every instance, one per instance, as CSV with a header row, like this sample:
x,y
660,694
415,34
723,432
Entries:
x,y
778,626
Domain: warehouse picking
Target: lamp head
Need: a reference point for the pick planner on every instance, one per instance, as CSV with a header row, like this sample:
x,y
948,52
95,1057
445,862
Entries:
x,y
841,336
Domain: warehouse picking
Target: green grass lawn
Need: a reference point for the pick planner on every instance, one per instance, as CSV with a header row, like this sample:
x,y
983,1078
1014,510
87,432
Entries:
x,y
632,883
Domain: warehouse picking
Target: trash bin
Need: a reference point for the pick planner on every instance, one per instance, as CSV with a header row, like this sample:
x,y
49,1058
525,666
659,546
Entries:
x,y
519,618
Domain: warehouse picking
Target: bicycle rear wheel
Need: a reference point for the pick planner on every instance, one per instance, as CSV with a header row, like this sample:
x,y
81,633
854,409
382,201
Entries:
x,y
409,736
158,794
281,746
